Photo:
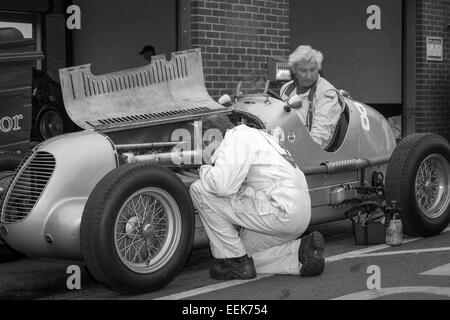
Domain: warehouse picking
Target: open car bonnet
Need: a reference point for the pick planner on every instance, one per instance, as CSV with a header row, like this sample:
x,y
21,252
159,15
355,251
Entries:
x,y
163,91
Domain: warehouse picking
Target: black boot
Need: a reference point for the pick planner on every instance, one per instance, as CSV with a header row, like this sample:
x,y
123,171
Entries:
x,y
310,254
233,268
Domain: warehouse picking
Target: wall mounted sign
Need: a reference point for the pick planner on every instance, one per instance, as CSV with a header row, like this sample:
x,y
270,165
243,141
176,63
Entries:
x,y
435,50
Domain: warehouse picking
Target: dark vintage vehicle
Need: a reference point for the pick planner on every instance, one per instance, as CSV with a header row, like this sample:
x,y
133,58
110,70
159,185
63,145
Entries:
x,y
17,57
50,118
115,195
31,108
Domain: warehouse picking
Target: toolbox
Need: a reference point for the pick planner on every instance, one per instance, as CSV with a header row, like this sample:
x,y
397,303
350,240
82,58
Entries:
x,y
371,233
369,228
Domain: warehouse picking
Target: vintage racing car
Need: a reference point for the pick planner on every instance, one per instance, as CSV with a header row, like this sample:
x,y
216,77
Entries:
x,y
115,195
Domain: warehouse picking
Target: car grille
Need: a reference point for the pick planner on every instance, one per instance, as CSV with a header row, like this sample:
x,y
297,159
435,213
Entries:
x,y
25,189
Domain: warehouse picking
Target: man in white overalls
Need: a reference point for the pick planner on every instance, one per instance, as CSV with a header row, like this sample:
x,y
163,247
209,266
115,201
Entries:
x,y
321,105
256,185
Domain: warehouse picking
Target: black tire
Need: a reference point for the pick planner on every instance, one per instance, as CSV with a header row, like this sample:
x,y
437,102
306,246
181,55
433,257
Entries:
x,y
98,228
419,164
8,163
50,122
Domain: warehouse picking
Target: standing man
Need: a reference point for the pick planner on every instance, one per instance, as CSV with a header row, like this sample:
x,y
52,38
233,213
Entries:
x,y
147,53
255,184
321,105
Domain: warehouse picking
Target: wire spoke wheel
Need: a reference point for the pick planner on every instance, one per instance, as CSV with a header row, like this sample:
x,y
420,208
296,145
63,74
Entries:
x,y
418,177
137,228
51,124
432,185
147,230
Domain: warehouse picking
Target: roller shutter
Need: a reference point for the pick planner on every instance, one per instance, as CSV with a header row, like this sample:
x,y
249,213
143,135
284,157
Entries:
x,y
34,6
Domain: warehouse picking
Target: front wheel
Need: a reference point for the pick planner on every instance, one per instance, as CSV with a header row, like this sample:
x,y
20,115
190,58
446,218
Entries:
x,y
50,123
418,178
137,228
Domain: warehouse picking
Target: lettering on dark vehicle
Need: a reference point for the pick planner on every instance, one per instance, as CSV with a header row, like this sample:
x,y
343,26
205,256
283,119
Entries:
x,y
8,124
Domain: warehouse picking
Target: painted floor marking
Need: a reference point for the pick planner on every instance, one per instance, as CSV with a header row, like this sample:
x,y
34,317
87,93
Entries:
x,y
228,284
213,287
223,285
358,253
374,294
393,253
439,271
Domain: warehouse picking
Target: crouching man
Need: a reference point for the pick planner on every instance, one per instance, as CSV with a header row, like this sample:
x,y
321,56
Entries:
x,y
254,184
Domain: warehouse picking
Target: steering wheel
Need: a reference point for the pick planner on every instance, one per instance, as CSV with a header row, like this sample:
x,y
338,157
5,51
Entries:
x,y
273,94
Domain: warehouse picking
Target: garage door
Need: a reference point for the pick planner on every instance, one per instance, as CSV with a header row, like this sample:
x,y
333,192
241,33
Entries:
x,y
37,6
361,41
113,32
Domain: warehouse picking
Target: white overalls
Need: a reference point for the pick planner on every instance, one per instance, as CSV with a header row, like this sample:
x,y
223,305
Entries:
x,y
251,185
326,110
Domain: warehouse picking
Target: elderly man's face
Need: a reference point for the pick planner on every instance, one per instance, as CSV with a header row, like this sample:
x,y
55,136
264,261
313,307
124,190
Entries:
x,y
306,72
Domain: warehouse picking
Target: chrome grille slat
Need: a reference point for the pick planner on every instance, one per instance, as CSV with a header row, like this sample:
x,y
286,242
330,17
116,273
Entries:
x,y
22,206
43,162
35,188
44,159
40,167
11,210
20,193
30,184
34,179
33,175
27,186
15,216
12,204
14,211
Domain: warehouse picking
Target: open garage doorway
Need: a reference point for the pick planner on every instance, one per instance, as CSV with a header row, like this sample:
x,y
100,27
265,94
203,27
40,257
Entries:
x,y
362,44
114,32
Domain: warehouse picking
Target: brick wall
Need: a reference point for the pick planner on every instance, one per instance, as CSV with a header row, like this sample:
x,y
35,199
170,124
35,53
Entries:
x,y
236,38
433,78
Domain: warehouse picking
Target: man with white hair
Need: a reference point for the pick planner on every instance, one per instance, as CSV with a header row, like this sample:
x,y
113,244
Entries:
x,y
255,184
321,105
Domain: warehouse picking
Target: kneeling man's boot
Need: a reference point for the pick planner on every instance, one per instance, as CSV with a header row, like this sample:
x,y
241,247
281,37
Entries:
x,y
310,254
233,268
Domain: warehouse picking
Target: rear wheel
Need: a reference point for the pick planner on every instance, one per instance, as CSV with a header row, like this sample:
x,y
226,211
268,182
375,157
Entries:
x,y
137,228
418,178
8,163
